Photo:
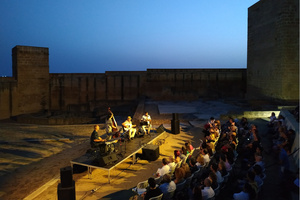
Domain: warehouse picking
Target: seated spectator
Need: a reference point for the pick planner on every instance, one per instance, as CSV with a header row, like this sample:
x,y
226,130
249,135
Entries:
x,y
243,127
153,190
213,178
206,157
230,155
214,169
179,175
192,164
222,168
167,185
258,173
227,164
207,191
291,134
165,168
251,181
259,161
186,169
172,164
197,193
183,151
188,147
177,157
200,161
246,194
233,140
218,124
281,141
284,159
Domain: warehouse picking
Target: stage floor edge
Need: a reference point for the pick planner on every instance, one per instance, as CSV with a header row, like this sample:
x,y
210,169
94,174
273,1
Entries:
x,y
85,159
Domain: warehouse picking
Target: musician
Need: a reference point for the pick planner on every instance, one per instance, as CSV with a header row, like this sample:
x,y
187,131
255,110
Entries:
x,y
110,125
146,123
127,125
96,140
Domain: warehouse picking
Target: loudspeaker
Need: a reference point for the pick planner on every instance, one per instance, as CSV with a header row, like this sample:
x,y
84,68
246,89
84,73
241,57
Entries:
x,y
151,152
175,116
160,129
67,193
175,126
66,177
107,159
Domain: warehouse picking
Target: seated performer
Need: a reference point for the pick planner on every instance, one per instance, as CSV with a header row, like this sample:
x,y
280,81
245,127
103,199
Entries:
x,y
146,123
128,127
96,140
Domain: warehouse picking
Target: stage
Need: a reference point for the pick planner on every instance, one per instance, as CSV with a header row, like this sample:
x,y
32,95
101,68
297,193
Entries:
x,y
127,149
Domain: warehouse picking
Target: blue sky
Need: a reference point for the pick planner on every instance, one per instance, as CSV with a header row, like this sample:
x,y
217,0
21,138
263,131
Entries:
x,y
95,36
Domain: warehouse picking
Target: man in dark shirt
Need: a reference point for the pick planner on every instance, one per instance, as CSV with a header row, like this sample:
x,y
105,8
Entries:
x,y
153,191
192,164
96,140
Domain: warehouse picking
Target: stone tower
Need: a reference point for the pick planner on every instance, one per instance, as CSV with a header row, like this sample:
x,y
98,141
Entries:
x,y
273,50
31,70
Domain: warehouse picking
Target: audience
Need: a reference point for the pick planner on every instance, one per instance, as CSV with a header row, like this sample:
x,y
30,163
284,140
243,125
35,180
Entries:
x,y
217,156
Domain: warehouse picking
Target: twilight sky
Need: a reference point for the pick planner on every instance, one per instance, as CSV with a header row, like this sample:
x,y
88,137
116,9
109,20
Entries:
x,y
95,36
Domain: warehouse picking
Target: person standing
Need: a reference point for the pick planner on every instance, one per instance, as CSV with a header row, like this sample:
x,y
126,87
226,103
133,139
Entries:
x,y
110,126
128,127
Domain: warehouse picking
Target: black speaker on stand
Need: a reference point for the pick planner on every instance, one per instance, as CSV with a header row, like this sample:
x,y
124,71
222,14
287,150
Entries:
x,y
175,128
66,187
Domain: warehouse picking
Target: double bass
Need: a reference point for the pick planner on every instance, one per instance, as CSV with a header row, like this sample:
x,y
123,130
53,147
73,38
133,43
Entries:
x,y
113,121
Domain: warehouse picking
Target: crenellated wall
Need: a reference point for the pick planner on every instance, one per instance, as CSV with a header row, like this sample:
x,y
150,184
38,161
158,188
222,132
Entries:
x,y
158,84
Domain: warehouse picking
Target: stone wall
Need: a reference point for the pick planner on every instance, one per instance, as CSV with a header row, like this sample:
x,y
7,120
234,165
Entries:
x,y
85,90
273,50
8,92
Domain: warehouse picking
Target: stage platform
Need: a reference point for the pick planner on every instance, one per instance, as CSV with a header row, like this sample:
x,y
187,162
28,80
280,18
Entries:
x,y
127,149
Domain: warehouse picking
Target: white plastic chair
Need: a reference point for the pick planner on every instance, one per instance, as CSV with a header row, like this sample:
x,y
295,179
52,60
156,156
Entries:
x,y
159,197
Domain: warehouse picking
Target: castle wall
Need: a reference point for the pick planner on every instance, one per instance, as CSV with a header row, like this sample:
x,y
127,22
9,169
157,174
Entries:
x,y
8,92
273,50
158,84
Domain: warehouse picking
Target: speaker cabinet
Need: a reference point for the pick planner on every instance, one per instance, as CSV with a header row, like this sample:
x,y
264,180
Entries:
x,y
175,126
150,152
175,116
160,129
66,193
107,159
66,177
